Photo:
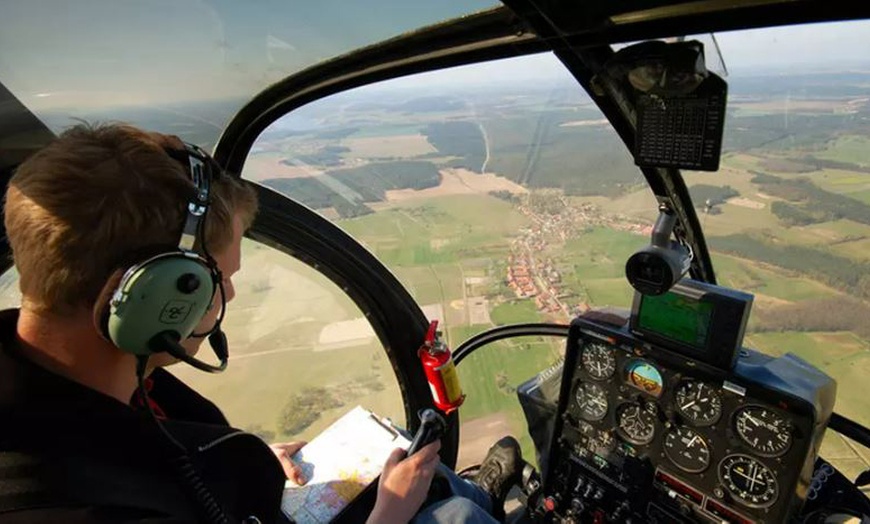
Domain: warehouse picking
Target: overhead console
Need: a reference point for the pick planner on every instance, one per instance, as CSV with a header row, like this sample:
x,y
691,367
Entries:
x,y
670,420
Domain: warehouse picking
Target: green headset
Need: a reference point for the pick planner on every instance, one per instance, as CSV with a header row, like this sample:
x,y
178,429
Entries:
x,y
160,301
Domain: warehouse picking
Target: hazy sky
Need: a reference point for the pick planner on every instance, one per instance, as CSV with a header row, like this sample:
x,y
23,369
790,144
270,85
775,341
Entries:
x,y
807,48
89,53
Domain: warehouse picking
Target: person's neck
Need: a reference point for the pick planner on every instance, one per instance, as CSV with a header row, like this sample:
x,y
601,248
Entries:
x,y
70,346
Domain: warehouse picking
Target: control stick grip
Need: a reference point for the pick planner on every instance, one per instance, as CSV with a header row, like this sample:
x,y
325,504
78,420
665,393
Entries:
x,y
432,428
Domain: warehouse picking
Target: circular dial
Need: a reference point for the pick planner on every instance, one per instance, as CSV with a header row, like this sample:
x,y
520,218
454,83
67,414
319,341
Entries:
x,y
763,430
699,403
603,443
598,361
592,401
687,449
751,482
645,377
635,423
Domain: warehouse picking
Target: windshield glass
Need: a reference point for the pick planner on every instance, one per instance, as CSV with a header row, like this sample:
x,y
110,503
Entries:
x,y
787,217
183,67
498,193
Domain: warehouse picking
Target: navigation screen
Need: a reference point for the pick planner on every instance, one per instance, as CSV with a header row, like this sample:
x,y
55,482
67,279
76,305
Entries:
x,y
677,317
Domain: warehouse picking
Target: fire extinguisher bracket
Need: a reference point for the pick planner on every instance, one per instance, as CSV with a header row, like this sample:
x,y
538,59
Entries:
x,y
440,371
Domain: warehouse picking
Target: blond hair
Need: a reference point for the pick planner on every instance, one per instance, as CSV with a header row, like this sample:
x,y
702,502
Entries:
x,y
98,199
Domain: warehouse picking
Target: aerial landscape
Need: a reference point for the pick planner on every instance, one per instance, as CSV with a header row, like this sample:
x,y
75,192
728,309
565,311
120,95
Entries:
x,y
518,203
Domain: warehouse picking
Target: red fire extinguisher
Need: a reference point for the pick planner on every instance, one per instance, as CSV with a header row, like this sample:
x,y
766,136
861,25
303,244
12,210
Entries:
x,y
440,371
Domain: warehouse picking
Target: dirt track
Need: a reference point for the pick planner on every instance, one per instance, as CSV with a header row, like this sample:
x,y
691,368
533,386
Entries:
x,y
476,436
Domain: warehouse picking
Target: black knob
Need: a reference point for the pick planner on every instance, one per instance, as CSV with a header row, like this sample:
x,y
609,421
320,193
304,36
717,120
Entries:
x,y
187,283
432,427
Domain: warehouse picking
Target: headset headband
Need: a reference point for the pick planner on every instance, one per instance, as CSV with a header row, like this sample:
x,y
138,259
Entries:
x,y
200,173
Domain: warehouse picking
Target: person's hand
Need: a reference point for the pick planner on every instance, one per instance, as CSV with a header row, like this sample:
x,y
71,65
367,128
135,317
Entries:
x,y
284,452
404,484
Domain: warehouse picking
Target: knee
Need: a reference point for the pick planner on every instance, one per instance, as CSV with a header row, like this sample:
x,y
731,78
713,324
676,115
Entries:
x,y
454,509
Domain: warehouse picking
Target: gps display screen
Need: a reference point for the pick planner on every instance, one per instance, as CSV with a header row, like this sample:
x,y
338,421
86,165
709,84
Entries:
x,y
677,317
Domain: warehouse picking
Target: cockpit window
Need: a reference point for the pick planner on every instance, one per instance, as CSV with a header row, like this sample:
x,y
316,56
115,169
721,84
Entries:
x,y
183,67
493,195
787,217
302,353
497,193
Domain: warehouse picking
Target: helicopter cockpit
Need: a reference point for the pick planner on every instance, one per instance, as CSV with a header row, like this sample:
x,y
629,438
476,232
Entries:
x,y
644,228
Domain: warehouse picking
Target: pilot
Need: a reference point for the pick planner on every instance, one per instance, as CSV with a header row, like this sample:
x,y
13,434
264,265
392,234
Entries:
x,y
92,432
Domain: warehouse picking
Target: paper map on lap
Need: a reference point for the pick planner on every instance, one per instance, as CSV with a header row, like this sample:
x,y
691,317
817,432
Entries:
x,y
339,463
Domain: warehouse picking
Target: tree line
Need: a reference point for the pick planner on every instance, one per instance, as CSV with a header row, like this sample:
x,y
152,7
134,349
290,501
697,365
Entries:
x,y
808,203
849,276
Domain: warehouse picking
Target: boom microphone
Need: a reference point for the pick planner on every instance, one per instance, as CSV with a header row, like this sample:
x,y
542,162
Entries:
x,y
168,341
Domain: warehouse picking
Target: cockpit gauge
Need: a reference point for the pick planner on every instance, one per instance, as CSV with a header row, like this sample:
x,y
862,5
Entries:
x,y
645,377
763,430
687,450
750,482
604,443
592,401
699,403
636,423
598,360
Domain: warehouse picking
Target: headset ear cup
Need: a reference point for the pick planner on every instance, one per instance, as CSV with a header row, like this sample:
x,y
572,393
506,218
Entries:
x,y
101,306
168,294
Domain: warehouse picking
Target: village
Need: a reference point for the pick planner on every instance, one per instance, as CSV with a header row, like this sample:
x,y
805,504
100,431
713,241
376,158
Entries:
x,y
532,273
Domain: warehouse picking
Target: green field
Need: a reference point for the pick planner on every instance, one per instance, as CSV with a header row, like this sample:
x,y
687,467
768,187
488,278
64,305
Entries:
x,y
438,230
279,329
843,356
863,196
850,148
601,253
841,181
491,374
253,390
515,312
749,276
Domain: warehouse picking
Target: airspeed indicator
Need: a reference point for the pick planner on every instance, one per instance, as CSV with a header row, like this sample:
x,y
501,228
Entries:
x,y
598,360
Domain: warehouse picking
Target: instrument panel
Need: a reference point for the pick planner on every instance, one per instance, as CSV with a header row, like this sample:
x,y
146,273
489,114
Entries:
x,y
646,435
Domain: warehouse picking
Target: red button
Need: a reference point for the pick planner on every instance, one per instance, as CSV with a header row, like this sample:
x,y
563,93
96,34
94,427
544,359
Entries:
x,y
549,504
598,518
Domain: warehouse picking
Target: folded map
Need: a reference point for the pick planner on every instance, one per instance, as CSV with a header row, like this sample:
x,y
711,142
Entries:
x,y
339,463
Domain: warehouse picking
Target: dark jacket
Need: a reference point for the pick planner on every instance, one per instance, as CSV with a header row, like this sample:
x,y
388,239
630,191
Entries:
x,y
71,454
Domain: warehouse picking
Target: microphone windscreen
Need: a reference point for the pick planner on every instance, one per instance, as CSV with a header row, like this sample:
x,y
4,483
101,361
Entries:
x,y
218,341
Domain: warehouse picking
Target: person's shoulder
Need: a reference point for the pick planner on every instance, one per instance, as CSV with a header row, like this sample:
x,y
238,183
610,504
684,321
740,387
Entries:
x,y
180,401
